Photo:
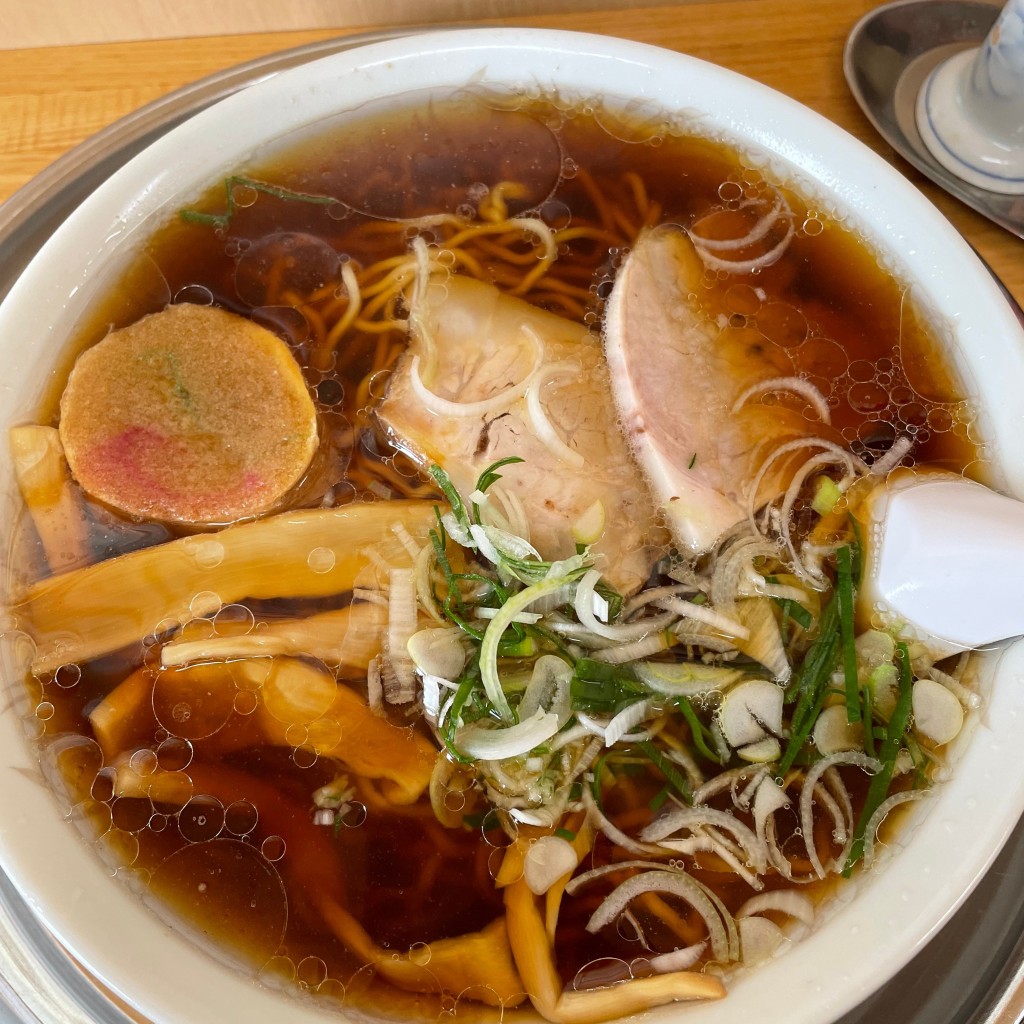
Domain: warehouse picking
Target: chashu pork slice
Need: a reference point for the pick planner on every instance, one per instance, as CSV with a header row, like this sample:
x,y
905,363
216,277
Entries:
x,y
488,376
677,378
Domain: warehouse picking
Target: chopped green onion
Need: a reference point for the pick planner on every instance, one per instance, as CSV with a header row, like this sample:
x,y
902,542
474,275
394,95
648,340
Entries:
x,y
844,597
699,732
611,596
453,718
490,474
668,769
496,630
598,686
794,610
878,790
827,496
452,496
869,711
566,834
596,785
810,683
657,801
518,647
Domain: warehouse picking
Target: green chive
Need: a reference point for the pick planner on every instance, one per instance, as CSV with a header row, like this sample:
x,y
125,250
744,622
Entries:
x,y
794,610
878,790
466,685
844,597
699,732
869,711
668,769
657,801
811,684
490,474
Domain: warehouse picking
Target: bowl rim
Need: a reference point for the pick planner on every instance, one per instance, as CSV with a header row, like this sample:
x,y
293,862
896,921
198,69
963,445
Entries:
x,y
794,135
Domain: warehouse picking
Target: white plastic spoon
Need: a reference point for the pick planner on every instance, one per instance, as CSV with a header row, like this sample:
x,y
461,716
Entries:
x,y
946,556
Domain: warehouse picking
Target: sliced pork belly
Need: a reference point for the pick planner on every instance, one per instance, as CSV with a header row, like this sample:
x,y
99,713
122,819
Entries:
x,y
488,376
677,378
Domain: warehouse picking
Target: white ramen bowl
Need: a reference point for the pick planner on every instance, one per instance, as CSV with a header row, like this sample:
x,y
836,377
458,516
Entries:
x,y
879,922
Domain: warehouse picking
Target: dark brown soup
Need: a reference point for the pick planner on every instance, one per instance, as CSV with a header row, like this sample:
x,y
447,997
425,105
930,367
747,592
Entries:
x,y
240,816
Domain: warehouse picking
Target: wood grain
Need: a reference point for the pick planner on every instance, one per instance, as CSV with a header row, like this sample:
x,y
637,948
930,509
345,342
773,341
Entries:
x,y
53,98
63,22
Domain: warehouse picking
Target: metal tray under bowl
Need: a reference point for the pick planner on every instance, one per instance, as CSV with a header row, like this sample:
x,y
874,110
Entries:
x,y
972,972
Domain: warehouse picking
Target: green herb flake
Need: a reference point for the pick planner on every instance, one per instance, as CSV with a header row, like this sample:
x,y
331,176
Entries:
x,y
222,220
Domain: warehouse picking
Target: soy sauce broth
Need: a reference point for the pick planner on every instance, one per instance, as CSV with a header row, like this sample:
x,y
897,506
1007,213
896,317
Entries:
x,y
244,857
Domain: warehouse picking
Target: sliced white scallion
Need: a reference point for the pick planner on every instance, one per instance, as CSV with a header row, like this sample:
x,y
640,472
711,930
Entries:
x,y
762,226
797,385
709,616
833,732
496,629
876,819
679,959
766,259
685,678
584,603
612,832
527,618
673,883
893,457
751,712
541,423
626,720
621,654
785,901
691,818
762,752
430,695
497,744
726,780
438,651
496,544
764,643
548,689
769,798
810,789
760,938
938,715
495,403
589,526
424,584
964,694
547,860
457,530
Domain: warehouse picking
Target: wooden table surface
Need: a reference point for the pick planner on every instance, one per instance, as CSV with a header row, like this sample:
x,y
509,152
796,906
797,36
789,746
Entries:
x,y
51,99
